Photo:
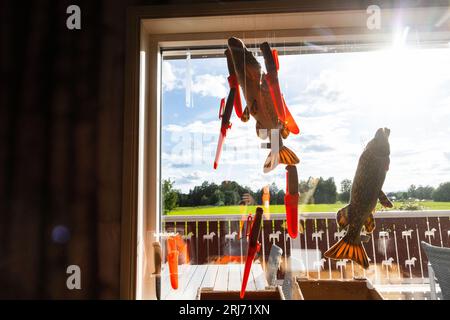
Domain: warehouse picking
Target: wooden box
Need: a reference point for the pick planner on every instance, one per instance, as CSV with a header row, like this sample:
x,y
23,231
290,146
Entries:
x,y
356,289
270,293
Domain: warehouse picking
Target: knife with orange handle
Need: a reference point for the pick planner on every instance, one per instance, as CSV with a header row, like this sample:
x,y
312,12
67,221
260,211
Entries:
x,y
172,259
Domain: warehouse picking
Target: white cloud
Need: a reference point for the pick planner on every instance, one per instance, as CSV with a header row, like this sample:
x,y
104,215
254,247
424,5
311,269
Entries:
x,y
210,85
170,77
205,84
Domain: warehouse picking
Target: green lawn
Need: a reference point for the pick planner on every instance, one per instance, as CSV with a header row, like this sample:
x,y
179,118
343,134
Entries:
x,y
427,205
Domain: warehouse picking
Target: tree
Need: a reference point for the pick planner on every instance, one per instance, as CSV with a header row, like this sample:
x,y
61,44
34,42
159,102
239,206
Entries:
x,y
424,193
280,197
217,198
412,192
442,193
325,191
273,190
231,198
170,196
402,195
346,188
204,200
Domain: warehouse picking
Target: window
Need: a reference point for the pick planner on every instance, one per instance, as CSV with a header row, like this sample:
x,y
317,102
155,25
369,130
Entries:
x,y
341,84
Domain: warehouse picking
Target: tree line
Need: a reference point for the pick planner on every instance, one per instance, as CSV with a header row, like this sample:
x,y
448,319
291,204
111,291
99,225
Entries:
x,y
439,194
312,191
232,193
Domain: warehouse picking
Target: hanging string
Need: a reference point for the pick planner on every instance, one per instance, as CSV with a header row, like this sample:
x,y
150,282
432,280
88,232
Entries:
x,y
285,83
245,68
188,80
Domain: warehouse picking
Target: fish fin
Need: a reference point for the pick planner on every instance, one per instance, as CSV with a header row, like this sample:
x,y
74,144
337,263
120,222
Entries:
x,y
342,217
384,200
245,115
365,238
370,224
285,155
271,162
345,249
284,132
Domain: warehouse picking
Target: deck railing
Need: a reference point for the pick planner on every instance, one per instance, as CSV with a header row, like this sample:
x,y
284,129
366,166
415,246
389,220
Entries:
x,y
394,248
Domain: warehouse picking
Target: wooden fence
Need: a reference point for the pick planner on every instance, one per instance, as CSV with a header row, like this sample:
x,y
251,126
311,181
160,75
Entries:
x,y
394,248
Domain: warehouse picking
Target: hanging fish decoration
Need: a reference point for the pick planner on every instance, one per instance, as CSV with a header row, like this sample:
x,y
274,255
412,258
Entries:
x,y
264,100
366,192
267,106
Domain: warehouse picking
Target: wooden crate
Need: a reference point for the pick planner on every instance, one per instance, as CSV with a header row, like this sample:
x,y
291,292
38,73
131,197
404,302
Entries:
x,y
356,289
270,293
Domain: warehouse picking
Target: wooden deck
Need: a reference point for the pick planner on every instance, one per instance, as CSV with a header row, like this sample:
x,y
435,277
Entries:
x,y
226,277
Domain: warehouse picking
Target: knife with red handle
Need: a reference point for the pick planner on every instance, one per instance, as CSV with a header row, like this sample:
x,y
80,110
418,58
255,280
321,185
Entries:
x,y
291,201
253,247
225,125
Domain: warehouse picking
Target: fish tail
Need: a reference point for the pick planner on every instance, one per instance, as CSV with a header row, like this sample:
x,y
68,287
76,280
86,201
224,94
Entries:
x,y
346,249
285,156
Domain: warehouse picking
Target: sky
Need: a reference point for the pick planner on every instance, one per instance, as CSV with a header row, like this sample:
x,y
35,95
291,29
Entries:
x,y
339,100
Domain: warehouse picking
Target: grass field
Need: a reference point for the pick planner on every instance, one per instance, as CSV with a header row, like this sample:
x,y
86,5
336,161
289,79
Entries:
x,y
426,205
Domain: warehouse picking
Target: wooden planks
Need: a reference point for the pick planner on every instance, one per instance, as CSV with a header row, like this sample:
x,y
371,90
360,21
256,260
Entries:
x,y
210,276
219,277
195,282
221,283
251,280
234,278
183,281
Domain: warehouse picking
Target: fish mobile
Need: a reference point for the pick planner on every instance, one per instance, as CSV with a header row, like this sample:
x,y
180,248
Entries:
x,y
266,104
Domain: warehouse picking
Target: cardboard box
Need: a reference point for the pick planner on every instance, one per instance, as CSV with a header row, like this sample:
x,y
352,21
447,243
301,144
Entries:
x,y
270,293
356,289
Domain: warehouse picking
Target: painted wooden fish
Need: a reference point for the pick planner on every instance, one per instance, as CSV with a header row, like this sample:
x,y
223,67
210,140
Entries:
x,y
366,191
264,100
